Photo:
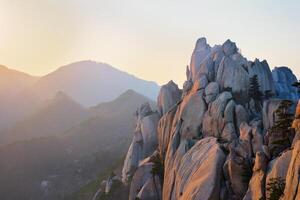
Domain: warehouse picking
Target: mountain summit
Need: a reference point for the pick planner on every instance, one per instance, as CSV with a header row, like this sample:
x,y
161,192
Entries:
x,y
90,83
226,136
86,82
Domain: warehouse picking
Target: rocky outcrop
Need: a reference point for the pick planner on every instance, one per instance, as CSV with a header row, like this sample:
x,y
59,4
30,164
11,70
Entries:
x,y
269,115
198,173
151,190
239,84
256,188
213,142
219,118
284,78
164,129
201,51
146,185
144,141
168,96
292,185
264,75
211,92
277,168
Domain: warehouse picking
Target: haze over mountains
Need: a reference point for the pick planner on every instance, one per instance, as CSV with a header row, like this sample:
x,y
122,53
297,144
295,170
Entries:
x,y
90,83
60,131
70,146
86,82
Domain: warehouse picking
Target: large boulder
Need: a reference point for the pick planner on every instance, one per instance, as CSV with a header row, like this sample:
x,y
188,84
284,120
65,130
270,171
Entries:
x,y
151,190
241,115
201,51
144,141
144,183
264,75
198,173
256,189
257,136
284,78
168,96
164,129
238,85
219,118
292,186
191,112
235,170
186,129
277,169
207,68
211,92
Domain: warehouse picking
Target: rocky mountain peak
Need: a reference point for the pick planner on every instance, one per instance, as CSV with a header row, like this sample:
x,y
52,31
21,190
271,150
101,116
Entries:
x,y
216,139
201,44
229,47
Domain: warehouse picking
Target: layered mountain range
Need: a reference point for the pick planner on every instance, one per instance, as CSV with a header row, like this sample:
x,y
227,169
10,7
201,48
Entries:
x,y
65,146
232,133
86,82
63,131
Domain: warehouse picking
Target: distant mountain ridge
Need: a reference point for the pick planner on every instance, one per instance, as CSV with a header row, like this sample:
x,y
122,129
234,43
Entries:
x,y
54,116
86,82
90,83
69,146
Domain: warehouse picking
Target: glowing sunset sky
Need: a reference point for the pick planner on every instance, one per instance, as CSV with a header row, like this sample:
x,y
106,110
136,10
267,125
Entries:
x,y
150,39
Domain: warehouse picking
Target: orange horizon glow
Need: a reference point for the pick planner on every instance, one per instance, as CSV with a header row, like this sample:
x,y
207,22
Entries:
x,y
151,40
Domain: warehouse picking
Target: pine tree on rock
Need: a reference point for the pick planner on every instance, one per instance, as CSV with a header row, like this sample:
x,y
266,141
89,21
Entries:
x,y
255,93
281,131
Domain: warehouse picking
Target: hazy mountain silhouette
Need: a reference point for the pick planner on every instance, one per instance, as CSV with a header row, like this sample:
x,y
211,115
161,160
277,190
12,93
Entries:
x,y
14,102
90,83
12,81
55,116
70,160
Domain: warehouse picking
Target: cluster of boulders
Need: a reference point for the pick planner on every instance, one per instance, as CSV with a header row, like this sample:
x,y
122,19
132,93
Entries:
x,y
212,139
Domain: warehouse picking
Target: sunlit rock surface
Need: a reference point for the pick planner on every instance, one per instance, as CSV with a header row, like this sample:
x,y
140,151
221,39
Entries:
x,y
198,173
214,143
169,95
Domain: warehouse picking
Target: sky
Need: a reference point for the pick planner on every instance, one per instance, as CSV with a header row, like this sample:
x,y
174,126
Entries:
x,y
150,39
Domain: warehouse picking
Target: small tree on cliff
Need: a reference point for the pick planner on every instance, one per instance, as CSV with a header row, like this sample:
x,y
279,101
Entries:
x,y
275,188
284,117
255,93
280,133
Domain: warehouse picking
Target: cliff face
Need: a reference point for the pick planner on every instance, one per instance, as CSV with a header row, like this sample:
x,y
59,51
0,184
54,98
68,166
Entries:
x,y
213,140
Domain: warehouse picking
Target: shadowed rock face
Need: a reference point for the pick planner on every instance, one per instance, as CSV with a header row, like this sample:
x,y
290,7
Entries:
x,y
256,189
284,78
211,139
144,141
144,185
168,96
